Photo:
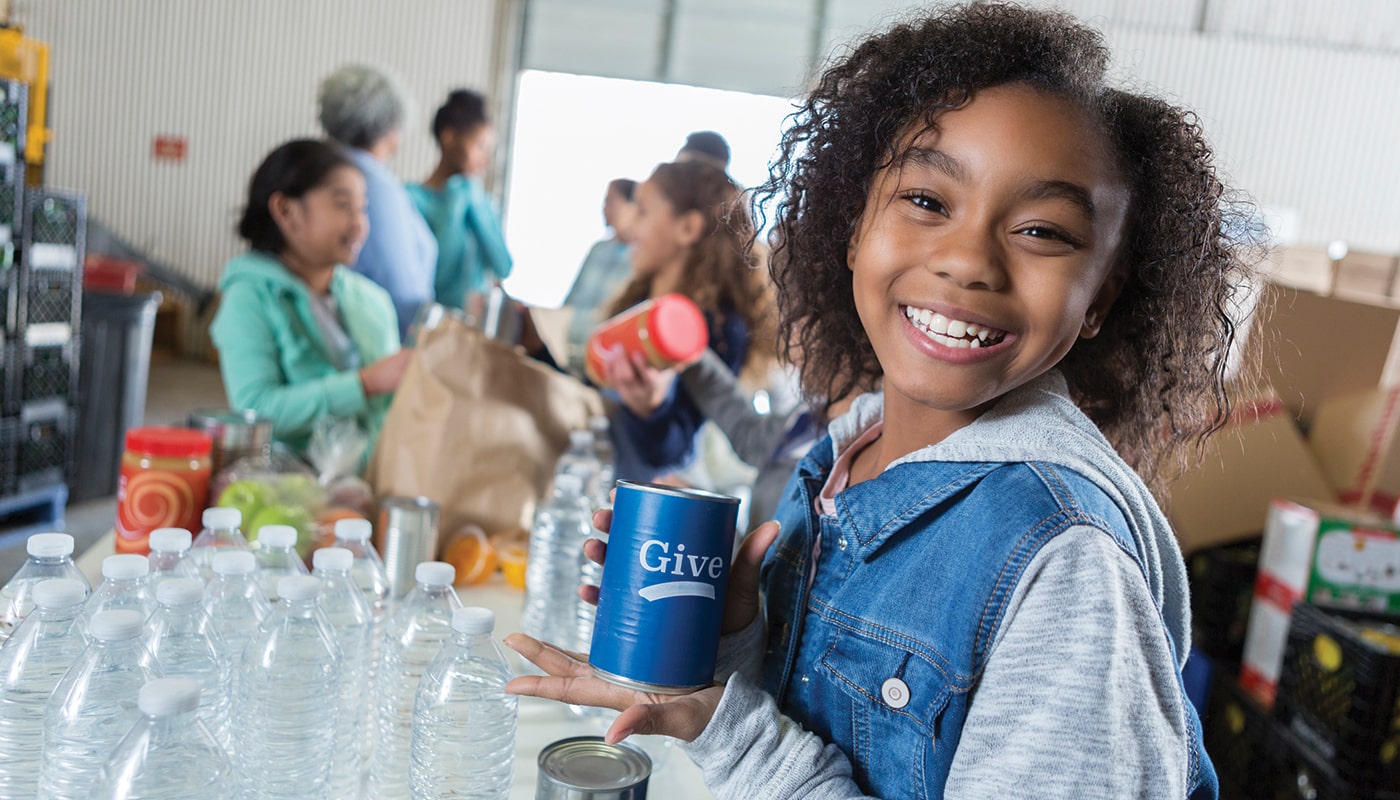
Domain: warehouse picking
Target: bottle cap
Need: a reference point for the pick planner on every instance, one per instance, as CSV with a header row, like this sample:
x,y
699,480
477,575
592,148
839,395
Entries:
x,y
277,536
125,567
599,424
50,545
580,439
164,697
222,519
179,592
355,530
116,625
473,619
677,329
234,562
170,540
59,593
568,483
299,587
334,559
435,573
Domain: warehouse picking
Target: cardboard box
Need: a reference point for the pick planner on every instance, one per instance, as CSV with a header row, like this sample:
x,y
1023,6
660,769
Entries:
x,y
1258,457
1365,276
1355,439
1323,553
1307,268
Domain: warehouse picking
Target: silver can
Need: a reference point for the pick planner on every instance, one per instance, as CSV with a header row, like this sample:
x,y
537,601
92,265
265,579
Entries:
x,y
587,768
407,535
236,434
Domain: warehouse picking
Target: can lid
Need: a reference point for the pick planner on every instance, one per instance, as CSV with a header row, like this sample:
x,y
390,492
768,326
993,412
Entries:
x,y
277,536
588,763
234,562
59,593
473,619
355,530
335,559
299,587
165,697
221,518
179,592
170,540
50,545
125,567
677,329
435,573
168,441
116,624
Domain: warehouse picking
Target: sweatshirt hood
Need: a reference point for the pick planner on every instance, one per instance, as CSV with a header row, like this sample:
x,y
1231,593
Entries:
x,y
261,268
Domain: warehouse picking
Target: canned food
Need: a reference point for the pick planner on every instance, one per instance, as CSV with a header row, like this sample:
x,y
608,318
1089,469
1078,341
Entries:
x,y
662,594
407,534
667,330
587,768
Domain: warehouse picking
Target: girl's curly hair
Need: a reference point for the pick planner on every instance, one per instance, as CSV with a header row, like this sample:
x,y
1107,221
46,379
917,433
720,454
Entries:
x,y
721,274
1160,359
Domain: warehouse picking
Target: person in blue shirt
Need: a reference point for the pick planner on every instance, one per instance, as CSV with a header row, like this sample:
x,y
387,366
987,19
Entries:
x,y
472,252
362,109
605,269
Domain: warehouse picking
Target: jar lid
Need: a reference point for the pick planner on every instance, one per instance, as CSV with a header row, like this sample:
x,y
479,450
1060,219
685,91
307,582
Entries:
x,y
677,328
166,441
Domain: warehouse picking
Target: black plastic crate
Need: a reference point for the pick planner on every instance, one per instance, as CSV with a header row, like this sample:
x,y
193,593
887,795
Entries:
x,y
1339,692
9,441
1222,591
52,296
1304,774
44,445
47,371
14,123
1239,739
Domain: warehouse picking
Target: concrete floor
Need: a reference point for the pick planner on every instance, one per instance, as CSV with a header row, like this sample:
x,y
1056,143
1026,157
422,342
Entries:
x,y
177,387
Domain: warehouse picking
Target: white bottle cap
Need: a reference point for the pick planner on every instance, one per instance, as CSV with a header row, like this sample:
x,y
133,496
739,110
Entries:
x,y
170,540
435,573
277,536
473,619
334,559
59,593
299,587
179,592
580,439
164,697
125,567
355,530
234,562
50,545
568,483
598,423
116,624
222,519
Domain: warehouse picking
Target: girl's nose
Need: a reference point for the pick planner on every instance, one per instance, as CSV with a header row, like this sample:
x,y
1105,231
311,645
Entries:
x,y
970,257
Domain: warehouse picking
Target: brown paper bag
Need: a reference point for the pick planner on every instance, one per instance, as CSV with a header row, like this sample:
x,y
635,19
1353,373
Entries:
x,y
477,427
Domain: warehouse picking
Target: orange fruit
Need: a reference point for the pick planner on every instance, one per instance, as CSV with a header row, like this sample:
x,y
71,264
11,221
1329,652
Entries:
x,y
513,557
472,554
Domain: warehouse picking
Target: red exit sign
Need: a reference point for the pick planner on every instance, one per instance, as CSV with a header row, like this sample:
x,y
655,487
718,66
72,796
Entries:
x,y
169,148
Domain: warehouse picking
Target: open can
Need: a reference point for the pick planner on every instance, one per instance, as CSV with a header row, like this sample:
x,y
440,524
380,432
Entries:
x,y
587,768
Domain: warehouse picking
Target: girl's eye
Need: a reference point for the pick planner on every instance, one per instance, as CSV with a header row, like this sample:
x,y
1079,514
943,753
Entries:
x,y
1049,233
927,203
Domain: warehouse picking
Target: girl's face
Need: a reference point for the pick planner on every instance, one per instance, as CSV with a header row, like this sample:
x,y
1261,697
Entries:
x,y
469,152
660,236
987,250
618,213
328,224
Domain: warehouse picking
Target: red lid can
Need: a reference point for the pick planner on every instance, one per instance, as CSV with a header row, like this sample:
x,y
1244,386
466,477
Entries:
x,y
169,442
667,331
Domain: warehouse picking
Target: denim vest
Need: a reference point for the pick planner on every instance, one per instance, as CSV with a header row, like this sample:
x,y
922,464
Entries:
x,y
915,573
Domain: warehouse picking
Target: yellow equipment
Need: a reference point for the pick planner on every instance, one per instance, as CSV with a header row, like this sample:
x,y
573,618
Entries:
x,y
27,60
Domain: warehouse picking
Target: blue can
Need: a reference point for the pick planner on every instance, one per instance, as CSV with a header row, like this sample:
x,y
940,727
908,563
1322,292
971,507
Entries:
x,y
663,587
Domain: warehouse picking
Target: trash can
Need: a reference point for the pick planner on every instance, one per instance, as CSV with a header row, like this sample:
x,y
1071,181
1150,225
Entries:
x,y
114,367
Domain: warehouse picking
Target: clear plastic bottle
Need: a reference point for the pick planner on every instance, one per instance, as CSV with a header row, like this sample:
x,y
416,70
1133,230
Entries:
x,y
412,638
94,704
170,556
463,721
606,454
284,724
370,575
234,600
126,583
50,556
580,460
169,753
220,533
554,569
184,640
32,661
277,557
349,614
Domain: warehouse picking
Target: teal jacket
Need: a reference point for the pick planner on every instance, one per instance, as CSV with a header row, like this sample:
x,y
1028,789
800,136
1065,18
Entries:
x,y
274,359
471,246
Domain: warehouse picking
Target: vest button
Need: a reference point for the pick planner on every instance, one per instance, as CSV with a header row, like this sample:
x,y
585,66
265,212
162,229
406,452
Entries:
x,y
895,693
841,543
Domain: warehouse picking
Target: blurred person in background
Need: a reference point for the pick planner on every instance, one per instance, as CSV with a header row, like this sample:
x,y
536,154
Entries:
x,y
605,269
363,110
707,147
471,254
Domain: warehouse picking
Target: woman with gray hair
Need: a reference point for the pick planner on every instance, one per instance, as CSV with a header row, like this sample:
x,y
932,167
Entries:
x,y
363,110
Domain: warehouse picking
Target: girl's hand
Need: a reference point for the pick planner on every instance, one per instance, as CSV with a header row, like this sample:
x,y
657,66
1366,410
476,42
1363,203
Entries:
x,y
384,375
641,387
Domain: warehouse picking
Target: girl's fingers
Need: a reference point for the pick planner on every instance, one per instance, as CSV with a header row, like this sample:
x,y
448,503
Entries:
x,y
550,658
602,518
742,599
683,718
595,550
588,594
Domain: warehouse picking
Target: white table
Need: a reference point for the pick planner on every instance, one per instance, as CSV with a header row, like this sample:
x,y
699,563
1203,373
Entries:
x,y
674,776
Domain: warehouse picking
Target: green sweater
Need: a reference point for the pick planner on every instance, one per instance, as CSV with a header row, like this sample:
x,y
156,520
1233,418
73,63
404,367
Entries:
x,y
274,359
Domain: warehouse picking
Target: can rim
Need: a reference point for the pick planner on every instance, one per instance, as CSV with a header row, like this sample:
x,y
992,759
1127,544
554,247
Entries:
x,y
625,753
676,491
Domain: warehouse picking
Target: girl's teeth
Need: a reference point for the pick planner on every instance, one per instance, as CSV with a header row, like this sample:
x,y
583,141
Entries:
x,y
956,328
938,323
949,332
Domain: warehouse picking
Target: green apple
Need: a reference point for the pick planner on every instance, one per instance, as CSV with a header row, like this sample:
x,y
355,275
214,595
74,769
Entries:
x,y
285,514
248,496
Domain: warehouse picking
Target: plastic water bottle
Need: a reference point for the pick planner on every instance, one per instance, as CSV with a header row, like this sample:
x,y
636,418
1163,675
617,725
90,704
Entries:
x,y
463,721
370,575
184,640
94,704
349,614
220,533
580,460
234,600
553,571
285,714
412,638
50,556
169,753
277,556
170,556
126,583
31,663
606,454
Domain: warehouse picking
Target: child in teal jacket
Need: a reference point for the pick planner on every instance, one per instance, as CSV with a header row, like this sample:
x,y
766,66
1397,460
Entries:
x,y
301,337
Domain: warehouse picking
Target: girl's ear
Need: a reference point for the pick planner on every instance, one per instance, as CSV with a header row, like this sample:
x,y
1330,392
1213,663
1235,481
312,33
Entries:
x,y
690,226
284,211
1098,310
